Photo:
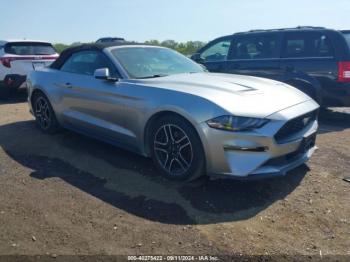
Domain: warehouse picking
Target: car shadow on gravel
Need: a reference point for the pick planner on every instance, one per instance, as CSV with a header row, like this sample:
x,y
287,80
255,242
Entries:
x,y
331,120
129,182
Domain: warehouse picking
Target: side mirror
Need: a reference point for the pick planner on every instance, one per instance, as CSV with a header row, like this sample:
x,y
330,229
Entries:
x,y
103,74
197,58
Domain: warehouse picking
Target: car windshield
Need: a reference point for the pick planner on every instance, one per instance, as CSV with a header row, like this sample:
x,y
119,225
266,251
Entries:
x,y
149,62
29,48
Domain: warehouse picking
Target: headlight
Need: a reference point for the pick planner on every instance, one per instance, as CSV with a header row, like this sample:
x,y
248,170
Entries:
x,y
236,123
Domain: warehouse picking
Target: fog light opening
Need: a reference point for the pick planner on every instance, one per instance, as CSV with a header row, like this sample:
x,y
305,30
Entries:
x,y
247,149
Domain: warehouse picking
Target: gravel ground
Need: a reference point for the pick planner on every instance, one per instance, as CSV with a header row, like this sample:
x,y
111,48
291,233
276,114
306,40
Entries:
x,y
68,194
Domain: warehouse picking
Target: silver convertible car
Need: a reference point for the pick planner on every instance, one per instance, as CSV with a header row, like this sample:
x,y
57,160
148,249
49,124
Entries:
x,y
158,103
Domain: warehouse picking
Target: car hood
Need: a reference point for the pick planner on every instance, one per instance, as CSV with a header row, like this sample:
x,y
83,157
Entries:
x,y
237,94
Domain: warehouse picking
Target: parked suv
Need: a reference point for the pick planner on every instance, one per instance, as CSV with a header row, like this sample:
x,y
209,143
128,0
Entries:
x,y
18,58
315,60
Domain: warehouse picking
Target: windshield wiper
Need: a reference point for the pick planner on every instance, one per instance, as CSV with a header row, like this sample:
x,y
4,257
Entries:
x,y
152,76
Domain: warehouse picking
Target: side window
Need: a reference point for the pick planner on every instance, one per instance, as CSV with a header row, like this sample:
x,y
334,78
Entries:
x,y
255,47
217,51
307,45
295,48
86,62
322,46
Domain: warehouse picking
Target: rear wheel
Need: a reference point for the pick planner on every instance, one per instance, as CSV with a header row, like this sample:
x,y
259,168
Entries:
x,y
176,149
44,115
6,91
307,89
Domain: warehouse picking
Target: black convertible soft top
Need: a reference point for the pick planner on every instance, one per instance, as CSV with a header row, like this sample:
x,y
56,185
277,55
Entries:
x,y
85,47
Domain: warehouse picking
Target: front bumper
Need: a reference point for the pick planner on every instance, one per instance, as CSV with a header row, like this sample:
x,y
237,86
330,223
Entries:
x,y
257,154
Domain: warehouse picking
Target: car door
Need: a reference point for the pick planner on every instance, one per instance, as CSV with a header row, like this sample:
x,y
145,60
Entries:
x,y
310,53
214,55
255,54
90,105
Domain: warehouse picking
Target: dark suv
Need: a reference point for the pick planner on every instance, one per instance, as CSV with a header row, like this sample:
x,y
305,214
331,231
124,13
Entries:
x,y
315,60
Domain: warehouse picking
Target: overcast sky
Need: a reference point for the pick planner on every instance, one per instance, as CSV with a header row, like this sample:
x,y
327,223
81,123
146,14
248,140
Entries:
x,y
68,21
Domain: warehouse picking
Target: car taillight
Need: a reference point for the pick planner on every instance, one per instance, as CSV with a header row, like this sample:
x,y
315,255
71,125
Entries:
x,y
344,71
6,61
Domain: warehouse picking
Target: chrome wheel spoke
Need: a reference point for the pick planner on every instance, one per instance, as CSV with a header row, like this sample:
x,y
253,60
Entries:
x,y
182,162
159,146
38,107
183,143
168,133
168,163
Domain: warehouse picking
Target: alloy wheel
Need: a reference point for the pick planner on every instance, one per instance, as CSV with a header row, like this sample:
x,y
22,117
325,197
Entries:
x,y
173,149
43,113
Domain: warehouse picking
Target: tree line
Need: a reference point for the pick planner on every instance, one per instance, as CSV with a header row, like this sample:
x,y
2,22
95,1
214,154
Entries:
x,y
186,48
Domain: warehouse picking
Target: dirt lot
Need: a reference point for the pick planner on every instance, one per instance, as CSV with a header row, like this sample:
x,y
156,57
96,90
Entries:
x,y
69,194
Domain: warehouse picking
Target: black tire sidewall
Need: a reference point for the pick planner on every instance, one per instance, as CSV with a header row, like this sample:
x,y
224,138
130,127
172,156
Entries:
x,y
6,92
307,89
198,162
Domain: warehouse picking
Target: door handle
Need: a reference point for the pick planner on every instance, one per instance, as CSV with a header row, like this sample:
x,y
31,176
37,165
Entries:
x,y
64,85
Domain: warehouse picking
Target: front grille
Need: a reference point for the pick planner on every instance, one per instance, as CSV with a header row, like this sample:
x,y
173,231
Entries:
x,y
306,144
295,125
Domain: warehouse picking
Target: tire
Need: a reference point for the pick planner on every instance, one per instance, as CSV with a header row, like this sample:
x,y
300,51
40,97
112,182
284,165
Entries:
x,y
176,149
307,89
309,92
6,92
45,117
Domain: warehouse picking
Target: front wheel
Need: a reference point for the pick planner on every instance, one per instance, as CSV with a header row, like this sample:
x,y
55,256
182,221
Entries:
x,y
176,149
44,115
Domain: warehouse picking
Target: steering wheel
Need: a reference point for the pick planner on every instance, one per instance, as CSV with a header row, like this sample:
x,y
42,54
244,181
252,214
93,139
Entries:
x,y
218,56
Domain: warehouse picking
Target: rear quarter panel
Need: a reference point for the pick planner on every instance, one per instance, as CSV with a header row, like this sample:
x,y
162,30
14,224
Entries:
x,y
44,80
